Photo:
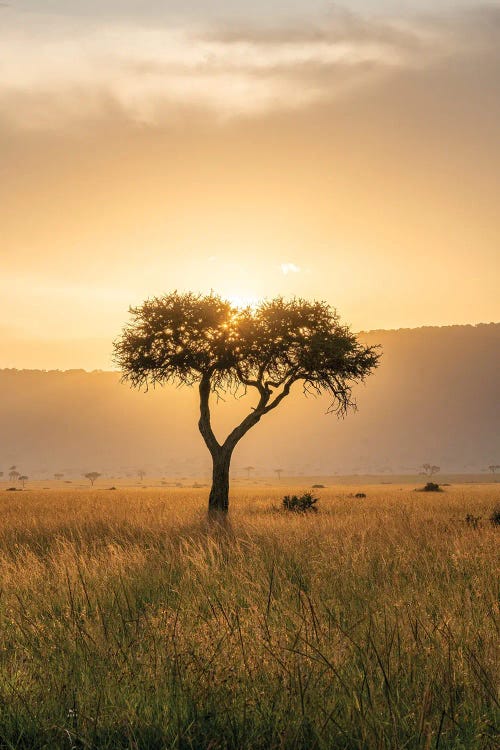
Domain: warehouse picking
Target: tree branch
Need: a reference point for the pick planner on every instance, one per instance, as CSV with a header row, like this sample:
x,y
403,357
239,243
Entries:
x,y
250,382
204,423
284,393
235,436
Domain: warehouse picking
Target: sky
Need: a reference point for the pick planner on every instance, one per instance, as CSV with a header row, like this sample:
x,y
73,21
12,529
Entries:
x,y
345,152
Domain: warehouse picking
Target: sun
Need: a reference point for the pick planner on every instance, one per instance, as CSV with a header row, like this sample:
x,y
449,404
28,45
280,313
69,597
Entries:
x,y
242,301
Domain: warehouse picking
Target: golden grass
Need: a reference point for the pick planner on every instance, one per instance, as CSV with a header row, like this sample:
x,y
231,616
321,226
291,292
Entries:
x,y
127,620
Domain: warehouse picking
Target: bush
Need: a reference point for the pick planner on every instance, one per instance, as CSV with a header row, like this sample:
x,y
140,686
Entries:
x,y
360,495
431,487
305,503
318,486
495,517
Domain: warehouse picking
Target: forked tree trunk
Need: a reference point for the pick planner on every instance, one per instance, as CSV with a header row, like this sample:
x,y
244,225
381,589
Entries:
x,y
218,501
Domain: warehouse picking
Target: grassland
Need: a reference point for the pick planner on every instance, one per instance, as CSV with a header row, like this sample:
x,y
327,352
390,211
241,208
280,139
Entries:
x,y
127,621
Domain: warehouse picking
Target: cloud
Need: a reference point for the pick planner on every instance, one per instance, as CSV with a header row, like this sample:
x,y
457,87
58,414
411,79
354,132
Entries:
x,y
54,71
287,268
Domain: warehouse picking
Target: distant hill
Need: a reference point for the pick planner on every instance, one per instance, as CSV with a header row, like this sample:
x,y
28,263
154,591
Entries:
x,y
435,398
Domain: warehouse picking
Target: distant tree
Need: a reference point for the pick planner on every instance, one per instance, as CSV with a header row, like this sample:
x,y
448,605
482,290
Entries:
x,y
204,340
430,469
92,476
141,474
1,473
58,476
13,474
493,468
23,479
278,472
248,469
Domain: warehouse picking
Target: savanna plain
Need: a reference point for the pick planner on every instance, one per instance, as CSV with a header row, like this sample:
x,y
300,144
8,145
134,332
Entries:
x,y
127,620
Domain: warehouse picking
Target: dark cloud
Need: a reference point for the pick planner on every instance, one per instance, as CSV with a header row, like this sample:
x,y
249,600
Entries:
x,y
54,76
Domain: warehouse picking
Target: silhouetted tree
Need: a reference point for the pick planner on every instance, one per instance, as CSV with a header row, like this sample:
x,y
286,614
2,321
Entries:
x,y
92,476
23,479
58,476
141,474
248,469
193,339
430,469
13,474
278,472
493,468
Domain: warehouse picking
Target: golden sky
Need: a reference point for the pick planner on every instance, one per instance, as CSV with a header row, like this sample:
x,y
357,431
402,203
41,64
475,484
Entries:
x,y
349,155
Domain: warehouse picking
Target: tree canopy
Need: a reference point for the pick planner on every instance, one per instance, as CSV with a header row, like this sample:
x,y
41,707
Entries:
x,y
184,338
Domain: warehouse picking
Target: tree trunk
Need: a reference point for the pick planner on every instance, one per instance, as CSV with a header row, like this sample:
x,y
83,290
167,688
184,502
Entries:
x,y
218,501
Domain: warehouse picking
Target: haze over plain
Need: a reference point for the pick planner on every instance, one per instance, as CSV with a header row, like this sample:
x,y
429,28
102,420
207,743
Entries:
x,y
435,399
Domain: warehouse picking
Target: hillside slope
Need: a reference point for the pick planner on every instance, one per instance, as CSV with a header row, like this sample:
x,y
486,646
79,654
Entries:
x,y
434,398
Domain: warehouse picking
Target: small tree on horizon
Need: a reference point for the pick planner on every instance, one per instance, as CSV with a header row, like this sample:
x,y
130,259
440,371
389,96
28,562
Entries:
x,y
141,474
23,479
279,473
92,476
58,476
203,340
13,474
248,469
430,469
493,468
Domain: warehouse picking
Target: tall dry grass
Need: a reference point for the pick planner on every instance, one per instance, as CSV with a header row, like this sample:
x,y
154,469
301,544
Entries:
x,y
127,621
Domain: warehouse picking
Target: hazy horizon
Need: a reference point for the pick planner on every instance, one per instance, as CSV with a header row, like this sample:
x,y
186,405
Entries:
x,y
421,405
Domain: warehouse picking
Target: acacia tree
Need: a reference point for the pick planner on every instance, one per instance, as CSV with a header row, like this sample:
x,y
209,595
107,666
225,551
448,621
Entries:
x,y
92,476
205,341
248,469
278,472
23,479
430,469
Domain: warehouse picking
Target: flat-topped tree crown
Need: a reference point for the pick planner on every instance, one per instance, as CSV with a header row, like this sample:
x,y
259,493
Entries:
x,y
188,339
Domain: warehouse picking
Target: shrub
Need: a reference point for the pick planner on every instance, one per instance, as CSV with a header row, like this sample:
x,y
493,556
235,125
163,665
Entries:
x,y
495,517
360,494
430,487
305,503
318,486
